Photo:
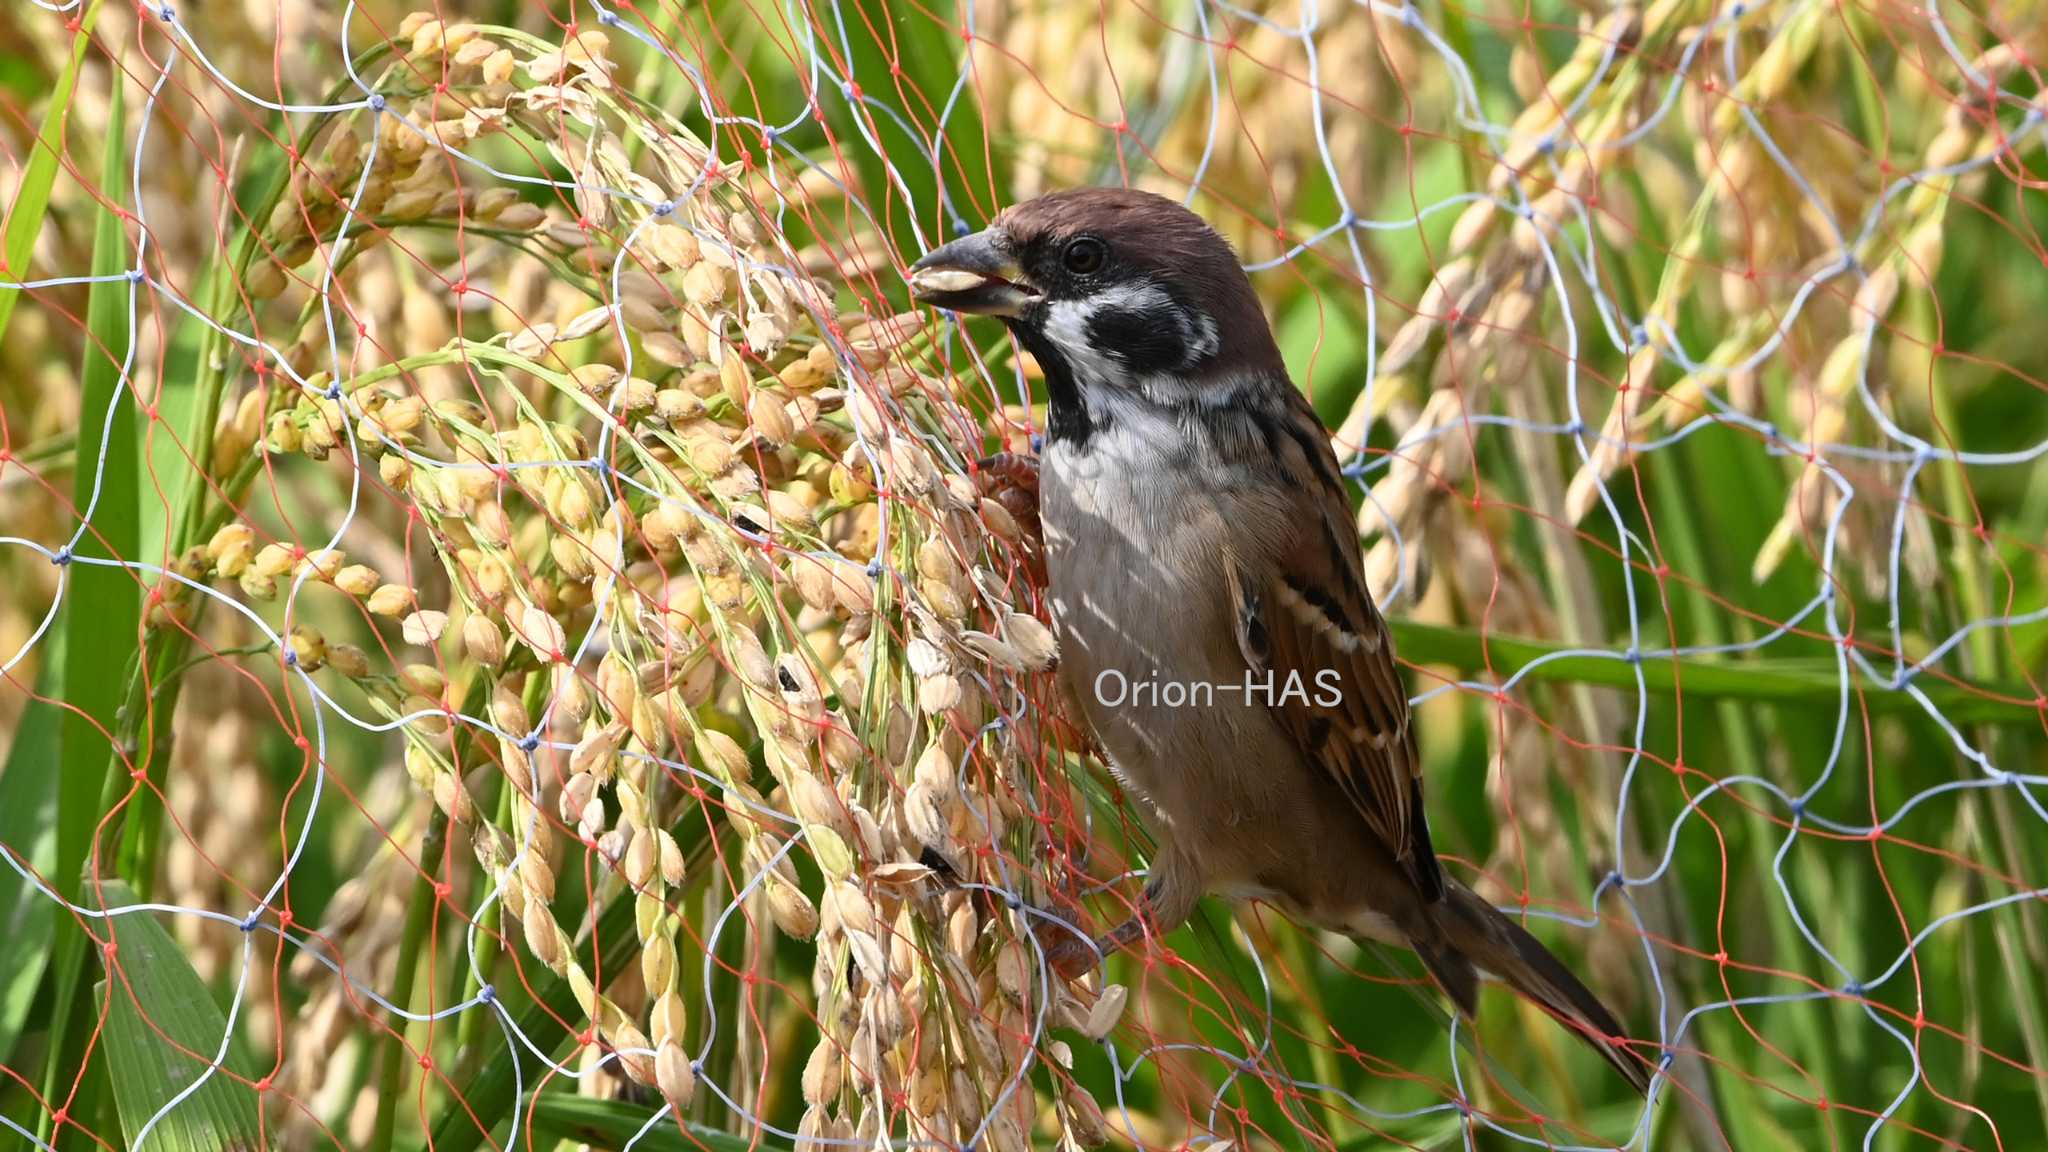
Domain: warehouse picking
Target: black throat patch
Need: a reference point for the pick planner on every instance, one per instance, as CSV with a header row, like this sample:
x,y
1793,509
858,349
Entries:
x,y
1069,420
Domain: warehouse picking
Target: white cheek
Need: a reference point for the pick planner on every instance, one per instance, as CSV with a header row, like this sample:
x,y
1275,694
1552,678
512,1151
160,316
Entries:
x,y
1066,325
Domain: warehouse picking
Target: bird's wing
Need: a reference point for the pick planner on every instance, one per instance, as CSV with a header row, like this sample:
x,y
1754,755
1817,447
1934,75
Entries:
x,y
1305,619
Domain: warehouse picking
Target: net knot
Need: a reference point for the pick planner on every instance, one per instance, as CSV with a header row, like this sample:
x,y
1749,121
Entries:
x,y
61,558
529,742
488,994
376,102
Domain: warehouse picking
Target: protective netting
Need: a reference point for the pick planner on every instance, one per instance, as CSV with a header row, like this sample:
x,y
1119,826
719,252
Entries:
x,y
527,395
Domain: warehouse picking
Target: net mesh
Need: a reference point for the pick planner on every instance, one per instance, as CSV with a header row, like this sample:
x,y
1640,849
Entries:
x,y
526,395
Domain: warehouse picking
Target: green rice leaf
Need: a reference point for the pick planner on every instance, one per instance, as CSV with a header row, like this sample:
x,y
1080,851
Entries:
x,y
489,1093
163,1035
101,613
913,62
28,829
45,155
613,1123
102,609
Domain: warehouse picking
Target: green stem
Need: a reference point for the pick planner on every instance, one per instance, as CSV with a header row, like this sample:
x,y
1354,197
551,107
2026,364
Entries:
x,y
1684,541
1338,1124
50,454
471,1024
1785,682
419,918
489,1092
152,691
559,1116
2020,956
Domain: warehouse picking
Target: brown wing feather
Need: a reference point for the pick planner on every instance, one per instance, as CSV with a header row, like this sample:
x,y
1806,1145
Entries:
x,y
1304,611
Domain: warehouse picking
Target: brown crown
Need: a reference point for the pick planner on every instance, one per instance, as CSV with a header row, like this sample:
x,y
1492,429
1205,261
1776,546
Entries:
x,y
1160,237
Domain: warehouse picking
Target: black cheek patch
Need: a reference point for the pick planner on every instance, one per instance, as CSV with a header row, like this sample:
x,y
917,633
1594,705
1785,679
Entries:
x,y
1147,342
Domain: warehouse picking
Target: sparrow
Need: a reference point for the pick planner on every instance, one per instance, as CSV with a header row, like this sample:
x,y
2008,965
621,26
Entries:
x,y
1209,599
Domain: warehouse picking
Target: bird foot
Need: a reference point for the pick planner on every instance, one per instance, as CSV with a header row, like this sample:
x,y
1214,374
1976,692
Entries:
x,y
1072,955
1011,480
1009,470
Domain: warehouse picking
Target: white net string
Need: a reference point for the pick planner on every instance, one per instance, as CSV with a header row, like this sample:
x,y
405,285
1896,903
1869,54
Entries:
x,y
1571,269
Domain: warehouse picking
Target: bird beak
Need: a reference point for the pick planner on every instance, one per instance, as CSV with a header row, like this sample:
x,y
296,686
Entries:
x,y
973,274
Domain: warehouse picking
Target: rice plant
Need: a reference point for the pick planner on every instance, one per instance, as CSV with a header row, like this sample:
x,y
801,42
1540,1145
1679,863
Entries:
x,y
517,632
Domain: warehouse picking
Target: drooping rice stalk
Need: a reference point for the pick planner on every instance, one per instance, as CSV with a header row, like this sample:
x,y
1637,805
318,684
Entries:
x,y
656,545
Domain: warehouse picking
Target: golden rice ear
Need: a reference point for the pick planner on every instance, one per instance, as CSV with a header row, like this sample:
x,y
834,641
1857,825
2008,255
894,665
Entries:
x,y
524,513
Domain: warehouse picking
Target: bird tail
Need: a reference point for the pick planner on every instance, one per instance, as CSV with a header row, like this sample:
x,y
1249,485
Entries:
x,y
1475,937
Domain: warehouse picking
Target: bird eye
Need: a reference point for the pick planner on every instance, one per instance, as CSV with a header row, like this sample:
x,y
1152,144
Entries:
x,y
1085,255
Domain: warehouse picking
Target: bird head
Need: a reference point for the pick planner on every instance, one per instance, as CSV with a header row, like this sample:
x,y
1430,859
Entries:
x,y
1120,295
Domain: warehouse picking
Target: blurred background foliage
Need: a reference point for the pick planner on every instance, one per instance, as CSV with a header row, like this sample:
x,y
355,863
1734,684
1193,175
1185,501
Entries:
x,y
1412,338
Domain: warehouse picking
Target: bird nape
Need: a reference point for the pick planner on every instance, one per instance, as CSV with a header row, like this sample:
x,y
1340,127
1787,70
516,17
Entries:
x,y
1197,534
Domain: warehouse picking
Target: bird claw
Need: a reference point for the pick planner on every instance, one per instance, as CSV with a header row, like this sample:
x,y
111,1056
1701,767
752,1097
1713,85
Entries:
x,y
1011,480
1072,957
1069,951
1009,469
